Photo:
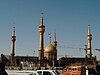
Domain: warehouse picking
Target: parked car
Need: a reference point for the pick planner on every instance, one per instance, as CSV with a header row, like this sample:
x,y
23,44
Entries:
x,y
47,72
22,72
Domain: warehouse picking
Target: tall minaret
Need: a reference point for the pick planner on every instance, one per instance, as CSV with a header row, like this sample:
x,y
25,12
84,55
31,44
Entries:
x,y
41,47
55,46
89,38
55,42
13,39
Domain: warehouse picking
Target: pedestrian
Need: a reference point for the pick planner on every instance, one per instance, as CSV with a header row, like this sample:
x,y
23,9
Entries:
x,y
2,69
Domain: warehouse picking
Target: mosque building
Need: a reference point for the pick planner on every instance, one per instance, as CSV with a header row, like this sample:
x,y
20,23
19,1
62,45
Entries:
x,y
88,60
49,53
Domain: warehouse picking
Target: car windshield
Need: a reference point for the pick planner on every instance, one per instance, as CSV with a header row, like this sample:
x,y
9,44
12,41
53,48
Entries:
x,y
56,72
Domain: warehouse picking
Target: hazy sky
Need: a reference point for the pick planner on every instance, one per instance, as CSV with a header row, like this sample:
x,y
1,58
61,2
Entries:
x,y
68,18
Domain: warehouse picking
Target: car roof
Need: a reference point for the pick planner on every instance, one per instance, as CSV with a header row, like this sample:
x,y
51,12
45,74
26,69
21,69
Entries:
x,y
45,70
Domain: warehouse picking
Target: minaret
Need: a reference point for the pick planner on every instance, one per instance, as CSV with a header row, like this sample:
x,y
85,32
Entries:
x,y
89,38
55,42
41,47
13,39
55,46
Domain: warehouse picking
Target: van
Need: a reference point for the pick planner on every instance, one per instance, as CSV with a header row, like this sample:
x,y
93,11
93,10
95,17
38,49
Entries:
x,y
74,70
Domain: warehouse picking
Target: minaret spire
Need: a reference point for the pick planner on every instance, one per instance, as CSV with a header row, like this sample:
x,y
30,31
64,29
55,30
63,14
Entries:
x,y
55,41
89,38
41,21
13,32
89,31
13,39
41,45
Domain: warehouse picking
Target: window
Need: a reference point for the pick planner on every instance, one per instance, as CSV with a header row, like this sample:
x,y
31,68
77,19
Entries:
x,y
46,73
39,72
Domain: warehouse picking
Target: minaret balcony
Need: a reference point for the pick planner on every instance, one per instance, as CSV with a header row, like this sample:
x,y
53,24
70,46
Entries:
x,y
89,37
13,39
41,30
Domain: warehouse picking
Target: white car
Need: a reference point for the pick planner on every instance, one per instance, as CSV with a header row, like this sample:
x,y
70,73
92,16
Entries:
x,y
23,72
47,72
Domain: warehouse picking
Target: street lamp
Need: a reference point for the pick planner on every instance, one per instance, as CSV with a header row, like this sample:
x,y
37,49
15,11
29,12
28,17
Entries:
x,y
59,64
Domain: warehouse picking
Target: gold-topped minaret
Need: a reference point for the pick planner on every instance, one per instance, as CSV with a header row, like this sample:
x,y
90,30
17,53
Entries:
x,y
89,38
13,39
41,45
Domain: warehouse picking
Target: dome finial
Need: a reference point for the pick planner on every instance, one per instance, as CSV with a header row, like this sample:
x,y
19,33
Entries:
x,y
49,36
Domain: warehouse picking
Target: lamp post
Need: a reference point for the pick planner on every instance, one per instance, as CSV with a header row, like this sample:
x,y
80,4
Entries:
x,y
59,64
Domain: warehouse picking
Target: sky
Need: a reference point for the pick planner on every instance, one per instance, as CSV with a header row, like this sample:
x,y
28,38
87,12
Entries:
x,y
69,19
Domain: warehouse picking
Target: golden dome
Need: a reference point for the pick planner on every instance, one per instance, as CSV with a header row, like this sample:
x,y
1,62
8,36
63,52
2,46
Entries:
x,y
49,49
